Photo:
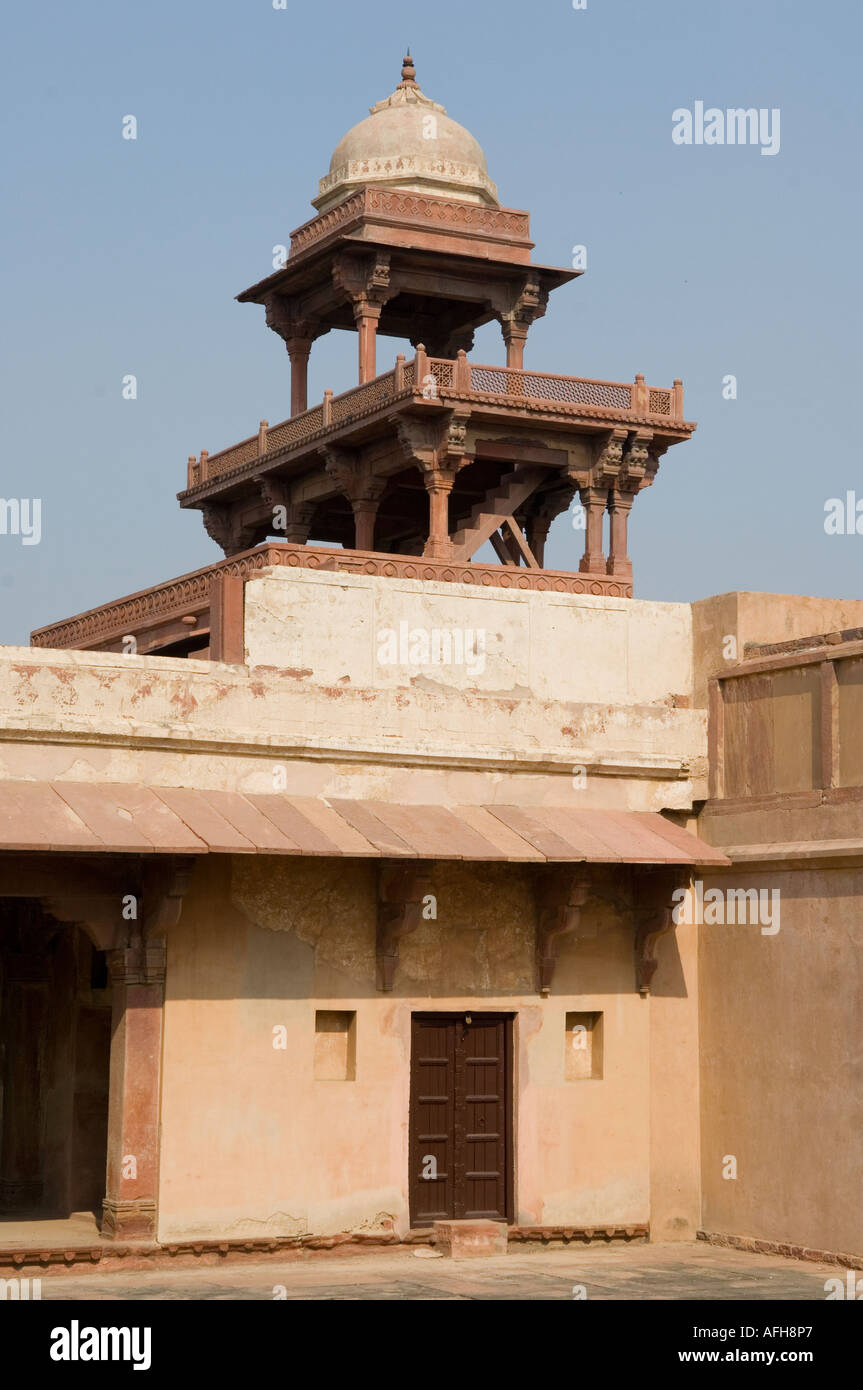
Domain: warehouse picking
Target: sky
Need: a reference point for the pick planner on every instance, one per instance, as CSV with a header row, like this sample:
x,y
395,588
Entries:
x,y
704,261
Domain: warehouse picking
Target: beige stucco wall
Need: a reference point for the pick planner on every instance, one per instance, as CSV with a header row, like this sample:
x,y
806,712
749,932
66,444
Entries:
x,y
550,646
568,682
782,1064
754,617
254,1145
675,1094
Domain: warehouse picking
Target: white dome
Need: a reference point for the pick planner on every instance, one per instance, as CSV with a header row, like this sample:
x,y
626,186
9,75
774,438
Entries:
x,y
408,142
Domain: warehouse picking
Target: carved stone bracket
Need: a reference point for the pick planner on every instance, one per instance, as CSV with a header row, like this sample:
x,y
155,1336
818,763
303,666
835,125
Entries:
x,y
525,304
438,447
562,893
298,333
129,911
635,465
355,478
284,318
608,459
364,279
453,449
165,885
654,909
299,516
228,530
419,438
401,890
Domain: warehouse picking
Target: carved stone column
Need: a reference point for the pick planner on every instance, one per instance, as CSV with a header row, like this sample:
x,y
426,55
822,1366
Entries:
x,y
365,281
514,337
138,979
526,304
365,508
439,484
537,535
366,316
132,1180
619,506
298,334
298,351
362,489
594,500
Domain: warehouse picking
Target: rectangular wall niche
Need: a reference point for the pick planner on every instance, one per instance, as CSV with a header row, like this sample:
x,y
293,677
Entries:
x,y
583,1047
335,1045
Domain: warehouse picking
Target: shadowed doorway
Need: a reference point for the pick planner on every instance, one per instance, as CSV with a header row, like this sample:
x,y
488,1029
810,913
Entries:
x,y
55,1040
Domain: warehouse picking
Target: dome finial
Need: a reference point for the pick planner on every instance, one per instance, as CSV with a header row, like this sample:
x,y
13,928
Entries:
x,y
409,72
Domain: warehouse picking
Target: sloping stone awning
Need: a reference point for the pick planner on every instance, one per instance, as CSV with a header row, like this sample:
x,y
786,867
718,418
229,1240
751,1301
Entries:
x,y
102,817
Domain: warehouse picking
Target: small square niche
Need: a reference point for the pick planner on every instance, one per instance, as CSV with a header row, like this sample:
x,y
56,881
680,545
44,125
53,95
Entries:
x,y
583,1047
335,1045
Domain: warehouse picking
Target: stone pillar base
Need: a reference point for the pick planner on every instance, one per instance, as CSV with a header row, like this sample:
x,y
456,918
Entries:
x,y
132,1220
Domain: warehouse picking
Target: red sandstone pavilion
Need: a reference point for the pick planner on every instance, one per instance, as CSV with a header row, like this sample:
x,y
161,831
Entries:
x,y
302,946
435,456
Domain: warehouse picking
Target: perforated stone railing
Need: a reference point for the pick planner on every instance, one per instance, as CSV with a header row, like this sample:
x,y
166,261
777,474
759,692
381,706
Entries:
x,y
429,376
543,386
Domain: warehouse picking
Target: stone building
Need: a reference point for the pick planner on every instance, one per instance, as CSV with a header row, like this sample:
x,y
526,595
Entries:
x,y
349,884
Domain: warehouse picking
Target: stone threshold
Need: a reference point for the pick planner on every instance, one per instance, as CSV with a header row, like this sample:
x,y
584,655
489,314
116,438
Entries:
x,y
111,1255
781,1248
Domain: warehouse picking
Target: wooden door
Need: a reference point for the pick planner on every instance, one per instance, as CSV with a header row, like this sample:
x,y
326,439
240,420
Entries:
x,y
461,1117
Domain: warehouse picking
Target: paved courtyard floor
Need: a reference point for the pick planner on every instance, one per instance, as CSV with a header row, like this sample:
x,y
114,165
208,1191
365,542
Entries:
x,y
666,1272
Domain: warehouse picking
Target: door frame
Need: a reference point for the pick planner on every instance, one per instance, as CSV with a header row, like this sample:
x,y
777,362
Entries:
x,y
508,1018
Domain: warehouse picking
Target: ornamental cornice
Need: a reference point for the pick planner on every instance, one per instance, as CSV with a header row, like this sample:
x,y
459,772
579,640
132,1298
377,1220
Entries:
x,y
426,209
356,171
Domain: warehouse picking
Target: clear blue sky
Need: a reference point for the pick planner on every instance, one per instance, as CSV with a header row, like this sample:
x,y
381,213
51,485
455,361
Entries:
x,y
124,257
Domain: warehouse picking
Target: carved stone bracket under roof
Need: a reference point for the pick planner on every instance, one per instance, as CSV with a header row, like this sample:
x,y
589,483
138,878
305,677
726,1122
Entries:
x,y
361,486
128,905
654,904
562,892
229,528
290,515
519,307
401,891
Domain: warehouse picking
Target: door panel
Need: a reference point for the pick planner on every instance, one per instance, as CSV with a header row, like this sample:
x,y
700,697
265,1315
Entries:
x,y
432,1113
460,1117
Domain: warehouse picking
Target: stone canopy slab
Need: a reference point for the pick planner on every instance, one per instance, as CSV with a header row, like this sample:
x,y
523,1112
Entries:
x,y
115,817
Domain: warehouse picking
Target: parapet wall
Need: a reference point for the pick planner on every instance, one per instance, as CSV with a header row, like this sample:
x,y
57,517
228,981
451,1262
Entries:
x,y
336,686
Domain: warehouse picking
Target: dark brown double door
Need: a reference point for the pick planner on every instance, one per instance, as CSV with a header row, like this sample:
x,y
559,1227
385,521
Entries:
x,y
461,1117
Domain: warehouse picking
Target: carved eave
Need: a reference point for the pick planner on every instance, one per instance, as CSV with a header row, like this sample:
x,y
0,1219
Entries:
x,y
440,269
